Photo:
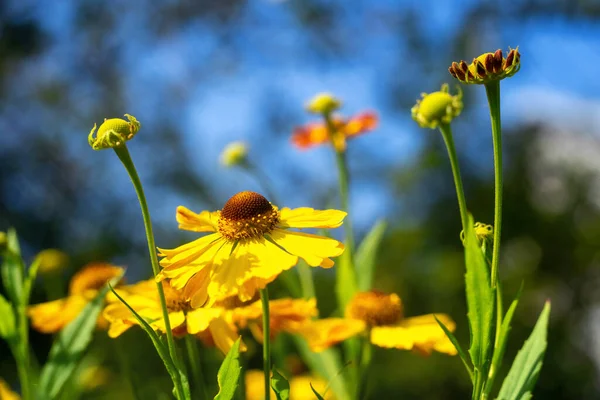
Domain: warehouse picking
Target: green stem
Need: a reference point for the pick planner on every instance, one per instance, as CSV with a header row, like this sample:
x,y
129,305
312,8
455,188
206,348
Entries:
x,y
123,154
492,90
23,370
460,194
264,298
193,354
262,179
346,274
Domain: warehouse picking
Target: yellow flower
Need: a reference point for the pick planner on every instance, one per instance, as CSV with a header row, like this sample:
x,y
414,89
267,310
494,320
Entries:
x,y
299,386
52,261
6,392
113,132
234,153
380,316
282,313
487,67
484,232
437,108
143,298
52,316
250,244
323,103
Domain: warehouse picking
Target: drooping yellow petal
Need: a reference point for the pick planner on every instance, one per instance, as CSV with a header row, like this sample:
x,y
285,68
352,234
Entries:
x,y
270,259
313,249
417,333
206,221
199,320
196,289
229,272
6,392
92,277
52,316
324,333
224,335
305,217
189,252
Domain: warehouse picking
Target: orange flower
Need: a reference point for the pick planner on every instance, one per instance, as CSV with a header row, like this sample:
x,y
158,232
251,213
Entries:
x,y
299,386
380,316
317,133
52,316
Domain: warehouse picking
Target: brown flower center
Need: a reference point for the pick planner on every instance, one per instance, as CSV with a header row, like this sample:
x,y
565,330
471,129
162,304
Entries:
x,y
175,299
247,215
375,308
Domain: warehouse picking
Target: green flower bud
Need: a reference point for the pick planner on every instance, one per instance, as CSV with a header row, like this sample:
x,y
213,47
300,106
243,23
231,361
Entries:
x,y
323,103
487,67
113,132
235,153
437,108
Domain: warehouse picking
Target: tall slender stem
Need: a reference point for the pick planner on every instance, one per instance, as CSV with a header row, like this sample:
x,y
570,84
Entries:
x,y
193,354
492,90
460,194
264,298
123,154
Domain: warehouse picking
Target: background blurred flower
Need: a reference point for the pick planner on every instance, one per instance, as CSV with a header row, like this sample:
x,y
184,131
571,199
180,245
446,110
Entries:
x,y
299,387
235,153
52,261
52,316
317,133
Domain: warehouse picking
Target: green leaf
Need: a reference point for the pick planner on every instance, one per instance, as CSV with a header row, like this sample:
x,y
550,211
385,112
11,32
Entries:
x,y
178,377
459,349
526,367
69,347
12,269
502,340
8,327
345,282
317,395
366,256
29,281
280,386
229,373
480,301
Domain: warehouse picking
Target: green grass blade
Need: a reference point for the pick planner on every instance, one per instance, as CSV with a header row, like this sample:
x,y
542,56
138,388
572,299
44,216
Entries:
x,y
526,367
366,256
480,301
280,386
69,347
229,373
12,269
8,323
463,356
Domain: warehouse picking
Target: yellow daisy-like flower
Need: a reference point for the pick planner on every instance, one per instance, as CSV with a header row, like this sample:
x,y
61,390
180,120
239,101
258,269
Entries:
x,y
144,299
52,316
249,245
487,67
299,386
380,316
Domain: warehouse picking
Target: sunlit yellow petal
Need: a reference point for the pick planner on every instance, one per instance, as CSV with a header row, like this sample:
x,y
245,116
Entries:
x,y
188,220
324,333
417,333
198,320
52,316
305,217
93,276
196,289
117,328
313,249
229,272
189,252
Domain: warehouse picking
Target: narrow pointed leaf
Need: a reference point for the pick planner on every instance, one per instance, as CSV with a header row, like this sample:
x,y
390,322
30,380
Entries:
x,y
480,301
8,327
229,373
280,386
177,376
317,395
526,367
69,347
12,269
366,256
463,356
498,356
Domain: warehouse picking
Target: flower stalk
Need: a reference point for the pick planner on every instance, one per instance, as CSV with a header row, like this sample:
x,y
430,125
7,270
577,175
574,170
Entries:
x,y
492,90
446,131
123,154
264,298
